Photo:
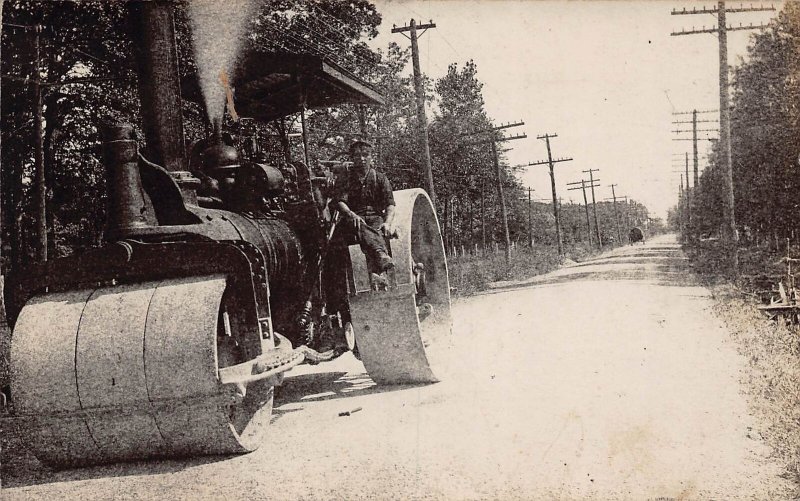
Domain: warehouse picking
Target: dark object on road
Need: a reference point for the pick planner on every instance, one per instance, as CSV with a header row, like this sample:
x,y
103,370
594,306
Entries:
x,y
635,235
347,413
215,277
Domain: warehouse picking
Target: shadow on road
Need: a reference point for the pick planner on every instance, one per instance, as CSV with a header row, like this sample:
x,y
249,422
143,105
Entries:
x,y
23,469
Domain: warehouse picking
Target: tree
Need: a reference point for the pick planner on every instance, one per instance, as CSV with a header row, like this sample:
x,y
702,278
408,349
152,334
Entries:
x,y
765,125
78,43
460,155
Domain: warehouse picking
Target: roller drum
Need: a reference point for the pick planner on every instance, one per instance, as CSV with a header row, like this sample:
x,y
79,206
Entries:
x,y
127,372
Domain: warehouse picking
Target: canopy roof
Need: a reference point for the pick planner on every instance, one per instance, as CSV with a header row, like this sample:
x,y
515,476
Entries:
x,y
268,86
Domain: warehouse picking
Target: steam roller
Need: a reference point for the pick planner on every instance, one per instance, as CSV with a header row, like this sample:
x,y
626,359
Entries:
x,y
219,272
169,339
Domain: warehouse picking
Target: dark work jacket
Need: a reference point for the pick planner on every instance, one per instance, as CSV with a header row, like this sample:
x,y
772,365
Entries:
x,y
366,196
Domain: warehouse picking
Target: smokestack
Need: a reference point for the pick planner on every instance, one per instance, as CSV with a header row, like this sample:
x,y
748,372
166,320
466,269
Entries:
x,y
126,203
159,87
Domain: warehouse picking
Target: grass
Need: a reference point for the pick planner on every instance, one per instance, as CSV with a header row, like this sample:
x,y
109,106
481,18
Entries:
x,y
772,380
473,273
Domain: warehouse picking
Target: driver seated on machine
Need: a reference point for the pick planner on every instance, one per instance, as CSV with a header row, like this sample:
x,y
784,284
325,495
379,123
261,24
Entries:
x,y
364,198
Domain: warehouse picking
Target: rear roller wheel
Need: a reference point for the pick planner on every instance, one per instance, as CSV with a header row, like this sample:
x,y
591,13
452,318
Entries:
x,y
398,331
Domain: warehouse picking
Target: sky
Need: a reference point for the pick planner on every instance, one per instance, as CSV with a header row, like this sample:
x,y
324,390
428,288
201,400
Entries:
x,y
605,76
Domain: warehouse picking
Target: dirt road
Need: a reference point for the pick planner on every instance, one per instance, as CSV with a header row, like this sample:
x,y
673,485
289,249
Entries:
x,y
609,379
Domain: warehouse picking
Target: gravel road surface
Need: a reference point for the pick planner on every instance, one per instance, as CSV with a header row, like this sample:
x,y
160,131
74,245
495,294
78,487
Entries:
x,y
609,379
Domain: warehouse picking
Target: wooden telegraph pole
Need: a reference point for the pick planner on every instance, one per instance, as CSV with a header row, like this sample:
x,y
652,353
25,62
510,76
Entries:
x,y
499,179
681,216
594,205
694,139
422,121
694,121
729,234
616,214
530,223
582,187
551,163
688,197
483,214
41,188
493,140
627,212
626,208
694,146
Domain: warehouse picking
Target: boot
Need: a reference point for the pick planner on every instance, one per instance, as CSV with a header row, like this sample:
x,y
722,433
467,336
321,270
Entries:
x,y
385,262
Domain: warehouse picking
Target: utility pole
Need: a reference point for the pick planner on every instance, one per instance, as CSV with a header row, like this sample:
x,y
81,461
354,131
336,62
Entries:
x,y
682,200
694,121
582,187
688,196
483,214
627,213
626,210
594,206
729,228
551,163
681,215
501,196
3,331
422,121
493,140
41,188
500,193
616,214
694,146
729,234
530,223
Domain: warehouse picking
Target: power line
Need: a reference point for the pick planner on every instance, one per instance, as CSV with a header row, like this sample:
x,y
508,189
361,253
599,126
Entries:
x,y
341,23
716,30
346,50
704,10
695,121
694,111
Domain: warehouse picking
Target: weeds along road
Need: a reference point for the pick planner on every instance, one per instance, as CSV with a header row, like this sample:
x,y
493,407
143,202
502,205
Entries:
x,y
605,380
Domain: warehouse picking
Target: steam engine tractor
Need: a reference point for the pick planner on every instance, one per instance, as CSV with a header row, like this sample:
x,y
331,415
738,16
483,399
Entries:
x,y
217,275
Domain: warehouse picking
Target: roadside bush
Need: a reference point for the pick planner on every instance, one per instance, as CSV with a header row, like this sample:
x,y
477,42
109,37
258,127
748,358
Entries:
x,y
472,273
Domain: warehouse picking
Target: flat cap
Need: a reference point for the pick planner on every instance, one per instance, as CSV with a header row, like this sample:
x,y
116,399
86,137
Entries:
x,y
359,142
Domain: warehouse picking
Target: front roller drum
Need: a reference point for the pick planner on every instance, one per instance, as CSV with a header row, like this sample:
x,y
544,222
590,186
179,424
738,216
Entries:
x,y
401,332
128,372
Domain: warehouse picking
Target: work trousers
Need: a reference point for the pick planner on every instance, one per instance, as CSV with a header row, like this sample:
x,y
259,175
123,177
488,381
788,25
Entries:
x,y
372,244
371,240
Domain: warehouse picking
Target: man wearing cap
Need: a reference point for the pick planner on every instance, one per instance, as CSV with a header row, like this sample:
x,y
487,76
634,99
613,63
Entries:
x,y
365,200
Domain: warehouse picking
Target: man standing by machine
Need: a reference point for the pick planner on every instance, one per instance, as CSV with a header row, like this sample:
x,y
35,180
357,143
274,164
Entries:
x,y
365,200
